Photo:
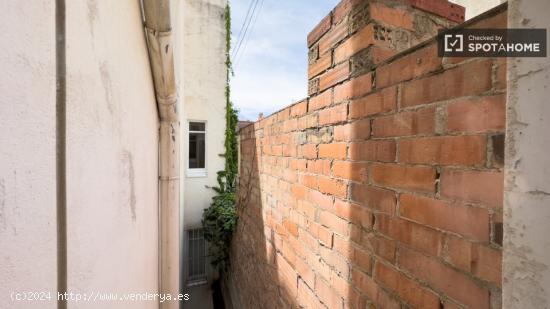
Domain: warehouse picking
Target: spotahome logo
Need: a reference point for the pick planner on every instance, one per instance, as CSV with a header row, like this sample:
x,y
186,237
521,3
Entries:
x,y
454,42
492,43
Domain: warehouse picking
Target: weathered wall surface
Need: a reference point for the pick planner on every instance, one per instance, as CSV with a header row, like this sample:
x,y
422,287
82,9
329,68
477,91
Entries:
x,y
27,151
527,189
112,141
111,153
385,186
201,80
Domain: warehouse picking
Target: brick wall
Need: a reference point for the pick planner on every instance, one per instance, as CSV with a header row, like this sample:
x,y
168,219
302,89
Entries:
x,y
384,187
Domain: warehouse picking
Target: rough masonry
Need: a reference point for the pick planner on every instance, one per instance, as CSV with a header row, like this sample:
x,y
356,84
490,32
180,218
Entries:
x,y
384,187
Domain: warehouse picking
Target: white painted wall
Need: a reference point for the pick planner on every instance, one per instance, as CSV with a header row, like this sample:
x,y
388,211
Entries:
x,y
526,270
27,151
112,145
201,80
476,7
203,97
112,153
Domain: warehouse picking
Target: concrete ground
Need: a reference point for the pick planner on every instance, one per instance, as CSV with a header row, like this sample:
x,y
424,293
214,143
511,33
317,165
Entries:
x,y
200,297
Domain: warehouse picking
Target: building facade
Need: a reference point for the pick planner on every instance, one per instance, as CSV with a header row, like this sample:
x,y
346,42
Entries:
x,y
112,128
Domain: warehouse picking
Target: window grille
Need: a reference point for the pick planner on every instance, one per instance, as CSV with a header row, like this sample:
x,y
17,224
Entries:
x,y
196,257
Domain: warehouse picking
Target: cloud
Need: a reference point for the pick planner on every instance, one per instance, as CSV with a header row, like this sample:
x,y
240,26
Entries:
x,y
271,73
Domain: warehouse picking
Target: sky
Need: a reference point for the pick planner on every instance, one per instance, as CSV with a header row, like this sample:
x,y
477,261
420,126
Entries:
x,y
271,65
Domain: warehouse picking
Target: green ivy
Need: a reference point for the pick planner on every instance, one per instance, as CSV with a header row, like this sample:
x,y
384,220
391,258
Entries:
x,y
219,220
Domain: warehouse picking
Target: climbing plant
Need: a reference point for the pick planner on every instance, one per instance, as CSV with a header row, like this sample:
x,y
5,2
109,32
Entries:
x,y
220,219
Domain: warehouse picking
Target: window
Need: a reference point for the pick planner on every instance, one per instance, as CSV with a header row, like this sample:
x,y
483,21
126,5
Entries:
x,y
197,149
196,263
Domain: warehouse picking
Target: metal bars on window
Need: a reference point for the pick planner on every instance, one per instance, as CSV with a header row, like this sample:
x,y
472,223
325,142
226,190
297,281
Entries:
x,y
197,257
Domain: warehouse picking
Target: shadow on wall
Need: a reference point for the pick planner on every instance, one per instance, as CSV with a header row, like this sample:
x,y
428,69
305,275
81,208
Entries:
x,y
384,188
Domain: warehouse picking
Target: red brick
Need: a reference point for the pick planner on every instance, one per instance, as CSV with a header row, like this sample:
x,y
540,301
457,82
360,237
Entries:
x,y
488,264
343,9
335,35
468,221
473,186
319,66
410,66
483,262
321,28
413,235
305,272
288,252
365,283
288,278
308,121
362,260
309,241
306,208
334,223
298,191
405,124
468,79
379,102
332,186
397,17
321,100
321,167
501,77
307,298
442,8
291,227
343,246
290,125
276,150
332,115
353,88
381,246
283,114
350,170
480,114
298,164
298,109
309,181
309,151
407,289
341,286
383,151
386,301
289,150
290,175
320,200
321,269
404,177
374,198
333,151
354,213
445,279
358,41
334,76
368,286
380,53
357,130
449,150
327,294
325,237
338,264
